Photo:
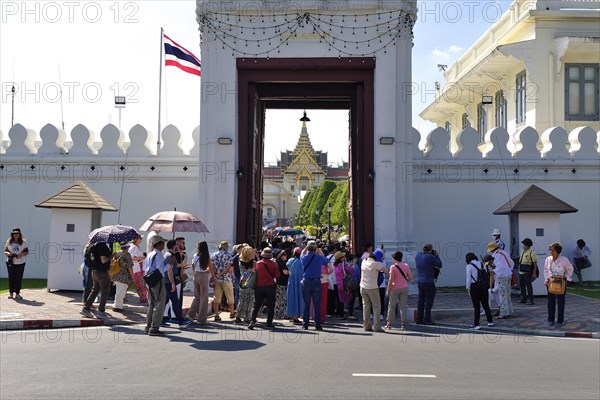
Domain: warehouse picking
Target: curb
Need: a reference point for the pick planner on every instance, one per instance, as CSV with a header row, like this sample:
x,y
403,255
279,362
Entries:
x,y
517,332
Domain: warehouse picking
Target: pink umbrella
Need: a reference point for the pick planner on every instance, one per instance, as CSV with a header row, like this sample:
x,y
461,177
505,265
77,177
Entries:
x,y
174,221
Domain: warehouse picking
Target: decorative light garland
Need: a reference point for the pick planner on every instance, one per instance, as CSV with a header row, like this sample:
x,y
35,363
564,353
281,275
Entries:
x,y
229,28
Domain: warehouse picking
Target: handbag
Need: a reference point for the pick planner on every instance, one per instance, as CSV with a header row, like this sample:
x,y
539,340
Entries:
x,y
154,277
350,281
251,281
557,284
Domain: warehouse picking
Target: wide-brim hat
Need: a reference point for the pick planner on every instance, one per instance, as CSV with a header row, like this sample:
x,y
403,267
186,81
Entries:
x,y
339,255
247,254
527,242
492,246
281,254
267,253
157,239
223,245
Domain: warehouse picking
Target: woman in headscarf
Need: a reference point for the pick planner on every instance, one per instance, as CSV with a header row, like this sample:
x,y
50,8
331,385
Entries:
x,y
295,301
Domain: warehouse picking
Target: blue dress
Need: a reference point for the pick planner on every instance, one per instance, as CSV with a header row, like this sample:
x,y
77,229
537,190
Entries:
x,y
295,301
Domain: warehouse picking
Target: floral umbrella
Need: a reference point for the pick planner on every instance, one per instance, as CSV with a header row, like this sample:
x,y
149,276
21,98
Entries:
x,y
113,233
174,221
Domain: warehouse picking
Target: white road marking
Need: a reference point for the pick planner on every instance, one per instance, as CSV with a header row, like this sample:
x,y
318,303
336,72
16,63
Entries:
x,y
395,376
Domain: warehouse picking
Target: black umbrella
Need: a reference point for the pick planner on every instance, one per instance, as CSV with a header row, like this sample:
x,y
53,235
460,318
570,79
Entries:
x,y
113,234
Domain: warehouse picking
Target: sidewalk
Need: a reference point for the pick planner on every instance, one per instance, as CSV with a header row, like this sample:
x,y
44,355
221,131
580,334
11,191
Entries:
x,y
42,309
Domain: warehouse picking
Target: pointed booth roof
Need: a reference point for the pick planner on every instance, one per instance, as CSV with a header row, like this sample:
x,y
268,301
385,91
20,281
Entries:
x,y
77,196
535,200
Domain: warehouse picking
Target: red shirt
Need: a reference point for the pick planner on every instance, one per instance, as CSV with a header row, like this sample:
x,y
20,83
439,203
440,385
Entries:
x,y
265,278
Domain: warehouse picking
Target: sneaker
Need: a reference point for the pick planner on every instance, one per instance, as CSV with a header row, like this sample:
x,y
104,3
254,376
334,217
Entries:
x,y
475,327
387,327
559,324
490,324
482,313
146,330
86,312
10,296
530,303
319,328
155,332
252,325
237,321
173,321
102,314
550,323
380,330
165,324
270,326
18,297
117,310
368,329
403,327
304,328
184,324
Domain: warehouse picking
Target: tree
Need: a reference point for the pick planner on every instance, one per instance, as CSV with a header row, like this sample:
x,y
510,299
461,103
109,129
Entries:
x,y
339,214
320,199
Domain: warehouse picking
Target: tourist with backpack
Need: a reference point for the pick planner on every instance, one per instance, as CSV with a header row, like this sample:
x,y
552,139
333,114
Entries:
x,y
478,283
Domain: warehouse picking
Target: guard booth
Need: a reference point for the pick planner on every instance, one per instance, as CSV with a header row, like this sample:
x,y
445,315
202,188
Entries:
x,y
76,211
535,214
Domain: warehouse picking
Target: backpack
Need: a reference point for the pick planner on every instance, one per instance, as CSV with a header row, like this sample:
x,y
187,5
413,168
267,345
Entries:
x,y
483,278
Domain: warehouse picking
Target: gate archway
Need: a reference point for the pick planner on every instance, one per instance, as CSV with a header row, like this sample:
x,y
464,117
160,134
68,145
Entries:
x,y
343,83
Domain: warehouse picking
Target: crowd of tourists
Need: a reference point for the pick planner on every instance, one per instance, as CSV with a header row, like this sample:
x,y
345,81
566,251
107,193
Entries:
x,y
306,284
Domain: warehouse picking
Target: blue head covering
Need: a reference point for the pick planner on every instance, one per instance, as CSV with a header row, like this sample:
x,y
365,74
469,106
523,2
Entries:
x,y
378,254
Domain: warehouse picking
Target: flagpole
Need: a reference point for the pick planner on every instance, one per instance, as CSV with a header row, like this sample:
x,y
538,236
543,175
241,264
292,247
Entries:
x,y
160,88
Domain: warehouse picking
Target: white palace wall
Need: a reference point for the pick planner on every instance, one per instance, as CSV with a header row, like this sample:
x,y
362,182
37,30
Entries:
x,y
451,198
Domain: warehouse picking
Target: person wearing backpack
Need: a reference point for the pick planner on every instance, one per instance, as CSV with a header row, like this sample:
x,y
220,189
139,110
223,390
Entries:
x,y
478,283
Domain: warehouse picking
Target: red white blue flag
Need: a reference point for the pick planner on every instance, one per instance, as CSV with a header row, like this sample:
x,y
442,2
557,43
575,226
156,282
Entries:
x,y
177,56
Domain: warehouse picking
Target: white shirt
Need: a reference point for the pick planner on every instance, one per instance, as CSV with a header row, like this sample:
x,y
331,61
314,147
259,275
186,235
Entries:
x,y
580,253
368,277
503,263
196,264
135,251
472,273
16,248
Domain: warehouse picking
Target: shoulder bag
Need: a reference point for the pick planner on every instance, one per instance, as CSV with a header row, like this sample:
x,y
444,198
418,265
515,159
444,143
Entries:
x,y
557,284
350,281
153,278
513,280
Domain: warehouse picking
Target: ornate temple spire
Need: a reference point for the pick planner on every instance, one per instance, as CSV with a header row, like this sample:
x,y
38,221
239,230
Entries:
x,y
304,139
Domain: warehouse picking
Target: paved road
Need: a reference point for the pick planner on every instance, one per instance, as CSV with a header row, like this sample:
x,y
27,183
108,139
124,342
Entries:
x,y
224,362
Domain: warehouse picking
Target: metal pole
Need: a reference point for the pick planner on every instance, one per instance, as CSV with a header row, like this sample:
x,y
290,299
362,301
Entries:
x,y
329,229
159,89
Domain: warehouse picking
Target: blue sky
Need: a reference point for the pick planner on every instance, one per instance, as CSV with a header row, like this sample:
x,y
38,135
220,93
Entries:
x,y
96,50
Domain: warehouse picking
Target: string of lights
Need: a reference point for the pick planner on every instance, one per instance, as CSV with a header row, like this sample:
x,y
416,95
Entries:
x,y
372,38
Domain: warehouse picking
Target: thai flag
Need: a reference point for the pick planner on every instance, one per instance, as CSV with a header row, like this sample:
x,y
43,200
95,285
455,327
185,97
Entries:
x,y
177,56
